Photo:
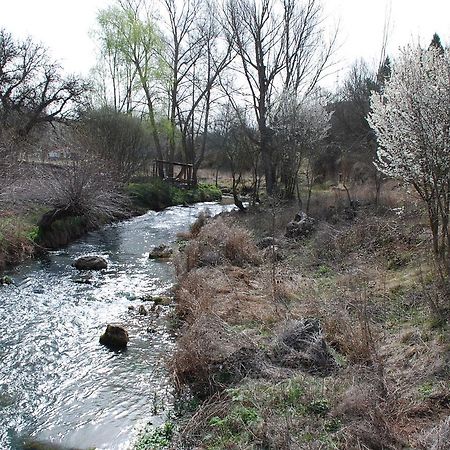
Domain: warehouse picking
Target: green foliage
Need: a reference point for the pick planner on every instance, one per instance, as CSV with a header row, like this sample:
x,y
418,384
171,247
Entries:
x,y
17,239
260,406
239,415
333,425
426,389
155,438
158,194
323,271
6,279
233,428
319,407
154,195
137,41
34,233
72,225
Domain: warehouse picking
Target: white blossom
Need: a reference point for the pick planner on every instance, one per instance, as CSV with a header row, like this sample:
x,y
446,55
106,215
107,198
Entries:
x,y
411,118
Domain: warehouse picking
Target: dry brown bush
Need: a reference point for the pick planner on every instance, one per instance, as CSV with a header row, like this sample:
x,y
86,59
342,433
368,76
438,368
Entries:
x,y
367,235
209,356
194,295
351,336
195,228
201,221
218,243
367,410
217,405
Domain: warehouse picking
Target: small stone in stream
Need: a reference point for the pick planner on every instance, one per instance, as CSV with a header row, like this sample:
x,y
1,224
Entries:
x,y
142,311
162,251
115,337
90,263
162,300
84,280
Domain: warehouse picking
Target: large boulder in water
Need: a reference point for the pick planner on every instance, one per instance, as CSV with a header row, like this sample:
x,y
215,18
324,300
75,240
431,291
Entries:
x,y
90,263
162,251
115,337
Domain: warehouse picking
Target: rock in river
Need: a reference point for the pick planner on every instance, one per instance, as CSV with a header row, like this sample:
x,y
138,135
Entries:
x,y
90,263
115,337
162,251
142,311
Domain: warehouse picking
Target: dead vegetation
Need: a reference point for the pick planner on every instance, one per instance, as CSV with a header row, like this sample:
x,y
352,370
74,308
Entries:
x,y
368,284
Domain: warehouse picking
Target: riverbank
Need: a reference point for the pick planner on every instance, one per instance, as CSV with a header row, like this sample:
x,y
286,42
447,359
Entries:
x,y
22,238
59,385
335,340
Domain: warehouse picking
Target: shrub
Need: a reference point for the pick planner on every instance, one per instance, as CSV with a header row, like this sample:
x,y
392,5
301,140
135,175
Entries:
x,y
16,240
217,243
156,194
155,438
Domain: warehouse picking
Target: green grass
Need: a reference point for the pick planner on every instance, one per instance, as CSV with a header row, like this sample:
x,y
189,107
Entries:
x,y
257,409
17,239
158,194
155,438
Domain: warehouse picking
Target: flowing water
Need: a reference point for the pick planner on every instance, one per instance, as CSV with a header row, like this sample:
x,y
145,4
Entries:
x,y
57,383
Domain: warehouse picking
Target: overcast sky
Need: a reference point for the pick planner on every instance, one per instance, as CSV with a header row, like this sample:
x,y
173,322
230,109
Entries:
x,y
64,25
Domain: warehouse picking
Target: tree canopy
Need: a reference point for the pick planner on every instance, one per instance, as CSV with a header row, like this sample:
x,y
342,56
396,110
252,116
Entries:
x,y
411,118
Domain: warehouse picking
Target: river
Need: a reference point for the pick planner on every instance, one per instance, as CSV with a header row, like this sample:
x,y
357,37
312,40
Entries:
x,y
57,383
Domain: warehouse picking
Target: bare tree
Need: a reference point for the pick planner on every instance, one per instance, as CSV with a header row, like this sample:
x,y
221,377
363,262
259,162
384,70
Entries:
x,y
301,127
275,48
83,187
196,58
113,76
33,94
32,89
234,136
181,54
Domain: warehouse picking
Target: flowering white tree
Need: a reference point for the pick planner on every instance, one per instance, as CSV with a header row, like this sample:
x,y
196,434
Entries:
x,y
300,126
411,118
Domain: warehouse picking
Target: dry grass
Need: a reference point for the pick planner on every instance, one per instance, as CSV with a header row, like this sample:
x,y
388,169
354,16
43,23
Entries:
x,y
16,240
217,244
206,356
367,281
438,438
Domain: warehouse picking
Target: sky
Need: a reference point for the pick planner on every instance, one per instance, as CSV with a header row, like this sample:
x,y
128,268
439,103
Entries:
x,y
64,27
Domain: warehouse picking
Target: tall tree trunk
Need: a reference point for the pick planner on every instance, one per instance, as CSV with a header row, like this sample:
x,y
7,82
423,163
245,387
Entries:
x,y
151,115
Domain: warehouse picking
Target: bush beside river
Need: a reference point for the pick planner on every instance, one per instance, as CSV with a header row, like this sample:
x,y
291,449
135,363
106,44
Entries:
x,y
21,237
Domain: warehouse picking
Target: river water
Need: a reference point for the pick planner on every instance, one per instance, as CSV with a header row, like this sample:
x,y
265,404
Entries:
x,y
57,383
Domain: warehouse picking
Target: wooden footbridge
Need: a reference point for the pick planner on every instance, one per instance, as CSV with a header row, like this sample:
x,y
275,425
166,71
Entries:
x,y
174,172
